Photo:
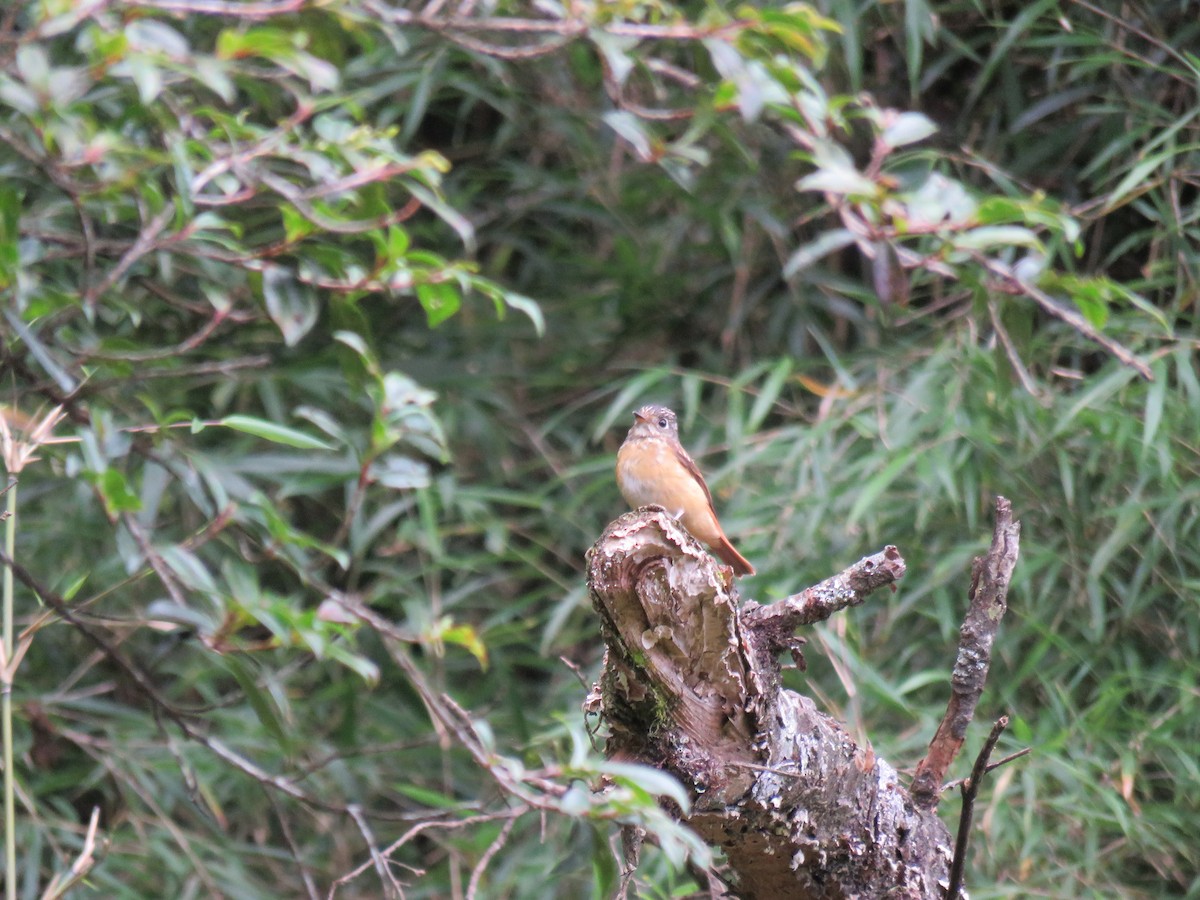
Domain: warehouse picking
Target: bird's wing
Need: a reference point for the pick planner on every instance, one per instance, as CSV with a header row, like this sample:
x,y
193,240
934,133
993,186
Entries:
x,y
694,471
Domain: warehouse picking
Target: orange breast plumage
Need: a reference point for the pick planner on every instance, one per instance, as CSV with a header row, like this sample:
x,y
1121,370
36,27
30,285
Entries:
x,y
649,474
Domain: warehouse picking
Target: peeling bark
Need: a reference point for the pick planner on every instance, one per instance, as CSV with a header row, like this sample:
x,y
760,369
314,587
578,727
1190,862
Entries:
x,y
691,685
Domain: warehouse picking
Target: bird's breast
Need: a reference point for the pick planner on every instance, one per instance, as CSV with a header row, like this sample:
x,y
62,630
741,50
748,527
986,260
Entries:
x,y
650,474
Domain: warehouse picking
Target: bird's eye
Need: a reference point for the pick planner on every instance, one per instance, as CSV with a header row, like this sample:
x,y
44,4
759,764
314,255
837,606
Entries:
x,y
662,423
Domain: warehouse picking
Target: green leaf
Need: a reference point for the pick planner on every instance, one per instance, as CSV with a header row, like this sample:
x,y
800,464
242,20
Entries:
x,y
1135,179
273,432
939,200
653,782
769,392
398,242
146,75
41,352
296,225
434,799
991,236
262,702
846,181
919,29
468,638
836,172
118,497
153,35
68,593
1156,398
362,666
10,234
605,875
291,536
529,307
444,211
17,96
281,47
616,52
190,569
440,301
798,26
33,64
399,472
291,305
184,616
1090,298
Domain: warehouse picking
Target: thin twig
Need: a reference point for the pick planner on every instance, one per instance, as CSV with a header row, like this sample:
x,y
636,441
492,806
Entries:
x,y
391,887
446,824
145,242
970,790
1075,319
310,884
228,8
492,850
1010,350
1003,761
6,711
1127,24
82,865
165,573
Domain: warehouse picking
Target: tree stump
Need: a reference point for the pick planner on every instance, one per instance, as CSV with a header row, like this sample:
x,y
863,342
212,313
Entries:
x,y
691,685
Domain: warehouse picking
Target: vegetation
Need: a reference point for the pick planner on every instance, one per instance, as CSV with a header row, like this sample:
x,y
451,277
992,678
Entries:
x,y
322,323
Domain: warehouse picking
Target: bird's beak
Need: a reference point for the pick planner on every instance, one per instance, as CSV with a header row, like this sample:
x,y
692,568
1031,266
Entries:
x,y
638,417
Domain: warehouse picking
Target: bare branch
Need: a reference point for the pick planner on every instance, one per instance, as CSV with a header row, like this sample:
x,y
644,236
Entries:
x,y
970,790
817,603
991,575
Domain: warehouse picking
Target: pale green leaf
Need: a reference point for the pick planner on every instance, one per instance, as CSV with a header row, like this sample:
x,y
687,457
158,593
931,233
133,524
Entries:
x,y
274,432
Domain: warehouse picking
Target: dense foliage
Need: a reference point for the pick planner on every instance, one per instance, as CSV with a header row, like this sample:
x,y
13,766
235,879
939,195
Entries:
x,y
322,322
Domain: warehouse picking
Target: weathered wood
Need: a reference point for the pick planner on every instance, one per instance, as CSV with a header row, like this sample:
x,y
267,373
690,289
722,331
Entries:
x,y
988,601
691,685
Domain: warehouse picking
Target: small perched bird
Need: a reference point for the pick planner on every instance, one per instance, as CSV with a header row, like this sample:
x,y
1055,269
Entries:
x,y
653,469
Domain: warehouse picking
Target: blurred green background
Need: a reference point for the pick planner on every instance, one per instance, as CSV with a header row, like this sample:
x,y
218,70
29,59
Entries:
x,y
354,300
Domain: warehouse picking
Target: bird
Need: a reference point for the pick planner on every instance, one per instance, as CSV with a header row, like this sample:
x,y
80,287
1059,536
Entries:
x,y
653,469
